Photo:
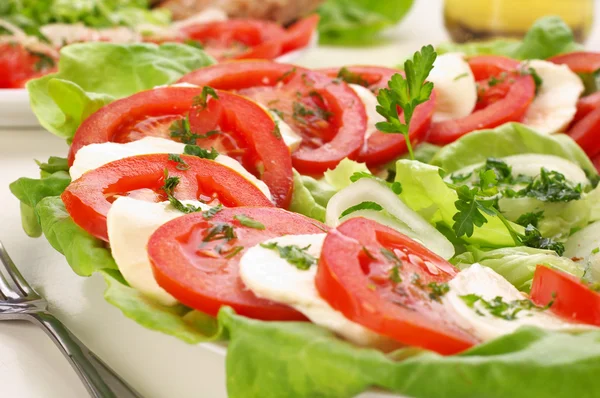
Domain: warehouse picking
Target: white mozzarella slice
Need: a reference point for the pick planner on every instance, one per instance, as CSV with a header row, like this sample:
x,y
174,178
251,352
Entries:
x,y
95,155
271,277
370,101
584,247
210,14
487,284
455,88
290,137
530,164
555,103
130,223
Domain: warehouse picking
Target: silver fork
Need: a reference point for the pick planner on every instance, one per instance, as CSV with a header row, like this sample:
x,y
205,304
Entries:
x,y
24,303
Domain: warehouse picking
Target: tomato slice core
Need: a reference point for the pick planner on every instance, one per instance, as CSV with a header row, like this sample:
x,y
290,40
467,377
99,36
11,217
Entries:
x,y
381,279
201,268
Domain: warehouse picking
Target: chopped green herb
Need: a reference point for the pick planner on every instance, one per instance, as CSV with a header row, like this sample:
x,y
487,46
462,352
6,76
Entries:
x,y
458,178
533,238
181,129
368,253
194,43
395,186
361,206
502,170
406,93
276,130
530,219
396,264
437,290
352,78
551,186
201,100
498,307
202,153
286,74
210,213
249,222
295,255
169,187
232,252
181,164
527,70
596,250
220,231
458,77
44,61
277,112
301,112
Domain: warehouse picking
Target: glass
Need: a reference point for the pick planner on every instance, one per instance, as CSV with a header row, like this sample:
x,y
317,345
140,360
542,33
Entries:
x,y
484,19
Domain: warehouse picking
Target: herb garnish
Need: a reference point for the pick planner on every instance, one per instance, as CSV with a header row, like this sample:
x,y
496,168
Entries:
x,y
530,219
181,164
220,231
201,100
406,93
361,206
295,255
169,187
395,186
202,153
210,213
499,308
249,222
181,129
351,78
194,43
528,70
396,264
44,61
458,77
551,186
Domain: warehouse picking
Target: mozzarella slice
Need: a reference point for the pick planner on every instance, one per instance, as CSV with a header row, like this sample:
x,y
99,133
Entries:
x,y
584,247
555,103
370,101
271,277
530,164
210,14
290,137
95,155
130,224
397,214
487,284
455,88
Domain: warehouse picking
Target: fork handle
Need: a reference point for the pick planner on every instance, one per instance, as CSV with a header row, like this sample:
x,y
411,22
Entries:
x,y
98,378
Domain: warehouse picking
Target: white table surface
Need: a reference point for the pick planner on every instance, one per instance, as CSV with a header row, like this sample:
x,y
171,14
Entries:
x,y
159,366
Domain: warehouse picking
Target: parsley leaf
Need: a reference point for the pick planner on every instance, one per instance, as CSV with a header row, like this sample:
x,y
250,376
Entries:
x,y
181,164
210,213
181,129
361,206
202,153
249,222
406,93
530,219
201,100
551,186
220,231
295,255
351,78
169,187
533,238
498,307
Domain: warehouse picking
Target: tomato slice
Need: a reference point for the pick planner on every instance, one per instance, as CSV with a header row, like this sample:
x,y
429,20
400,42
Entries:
x,y
89,198
579,61
571,298
380,279
299,34
511,108
19,65
596,162
326,113
486,66
586,104
238,38
371,77
245,130
586,133
197,259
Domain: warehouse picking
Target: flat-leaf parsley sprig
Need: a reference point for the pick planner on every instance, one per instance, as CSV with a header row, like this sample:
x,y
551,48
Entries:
x,y
406,93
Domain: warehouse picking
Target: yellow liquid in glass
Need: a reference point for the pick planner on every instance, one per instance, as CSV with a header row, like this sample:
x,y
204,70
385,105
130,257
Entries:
x,y
482,19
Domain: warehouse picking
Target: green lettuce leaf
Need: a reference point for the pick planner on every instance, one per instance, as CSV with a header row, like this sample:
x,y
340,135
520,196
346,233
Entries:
x,y
61,101
358,22
339,178
508,139
304,202
188,325
517,264
301,360
547,37
84,253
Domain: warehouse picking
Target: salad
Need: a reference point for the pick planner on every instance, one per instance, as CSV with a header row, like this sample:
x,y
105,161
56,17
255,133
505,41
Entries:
x,y
33,32
428,231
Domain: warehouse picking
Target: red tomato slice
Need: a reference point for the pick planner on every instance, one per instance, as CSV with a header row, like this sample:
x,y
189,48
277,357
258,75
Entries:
x,y
380,279
586,133
586,104
299,34
579,61
89,198
511,108
203,272
485,66
246,131
327,114
19,65
596,162
238,38
571,299
381,148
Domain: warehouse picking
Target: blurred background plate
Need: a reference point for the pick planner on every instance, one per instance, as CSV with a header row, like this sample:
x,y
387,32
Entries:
x,y
15,110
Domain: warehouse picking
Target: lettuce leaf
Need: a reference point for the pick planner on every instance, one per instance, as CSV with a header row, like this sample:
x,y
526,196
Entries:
x,y
179,321
84,253
358,22
517,264
547,37
63,100
508,139
301,360
424,191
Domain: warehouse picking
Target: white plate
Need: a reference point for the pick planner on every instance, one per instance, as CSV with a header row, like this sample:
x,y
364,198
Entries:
x,y
15,110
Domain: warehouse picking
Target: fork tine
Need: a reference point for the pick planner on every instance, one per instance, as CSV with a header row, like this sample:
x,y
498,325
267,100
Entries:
x,y
16,276
6,291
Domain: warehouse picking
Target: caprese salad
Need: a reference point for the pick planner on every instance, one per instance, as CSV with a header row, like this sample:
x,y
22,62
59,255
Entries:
x,y
24,57
431,231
